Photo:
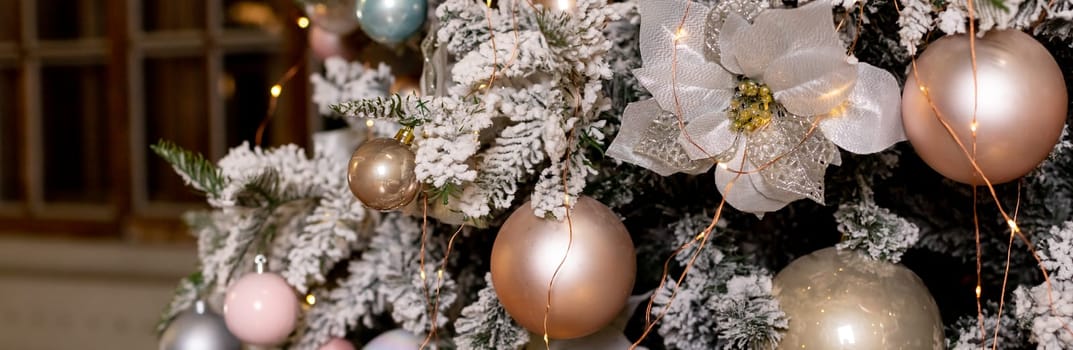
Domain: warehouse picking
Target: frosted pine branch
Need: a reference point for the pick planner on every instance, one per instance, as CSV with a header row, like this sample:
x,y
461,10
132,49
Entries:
x,y
1045,321
875,231
484,324
348,81
748,316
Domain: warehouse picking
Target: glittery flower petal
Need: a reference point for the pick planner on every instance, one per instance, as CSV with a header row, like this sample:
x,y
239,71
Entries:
x,y
659,24
749,193
712,133
636,120
870,121
777,33
733,26
700,90
811,81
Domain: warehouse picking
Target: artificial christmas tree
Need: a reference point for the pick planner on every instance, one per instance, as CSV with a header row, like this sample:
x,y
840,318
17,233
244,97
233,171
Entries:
x,y
550,103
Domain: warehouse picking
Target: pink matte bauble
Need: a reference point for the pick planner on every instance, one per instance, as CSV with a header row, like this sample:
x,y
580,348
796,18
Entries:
x,y
261,309
326,44
337,344
1020,105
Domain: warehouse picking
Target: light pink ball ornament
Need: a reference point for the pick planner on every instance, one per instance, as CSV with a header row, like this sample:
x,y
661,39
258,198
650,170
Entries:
x,y
261,308
337,344
327,44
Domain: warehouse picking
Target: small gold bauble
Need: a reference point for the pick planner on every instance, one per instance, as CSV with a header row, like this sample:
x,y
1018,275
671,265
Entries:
x,y
843,300
381,174
593,284
1020,105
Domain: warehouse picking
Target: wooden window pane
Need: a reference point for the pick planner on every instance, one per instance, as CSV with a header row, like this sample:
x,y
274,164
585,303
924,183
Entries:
x,y
75,124
253,14
9,20
246,81
175,110
70,19
9,141
164,15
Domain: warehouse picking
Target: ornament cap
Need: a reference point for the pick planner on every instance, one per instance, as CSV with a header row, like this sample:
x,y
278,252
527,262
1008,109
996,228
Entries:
x,y
405,135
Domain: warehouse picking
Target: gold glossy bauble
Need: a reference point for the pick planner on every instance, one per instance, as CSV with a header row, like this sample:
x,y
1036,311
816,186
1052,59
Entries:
x,y
1020,109
593,284
381,174
844,300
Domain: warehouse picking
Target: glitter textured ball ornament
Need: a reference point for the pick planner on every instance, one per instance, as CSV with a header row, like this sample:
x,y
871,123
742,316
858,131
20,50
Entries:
x,y
198,329
1020,109
591,287
336,16
381,172
844,300
397,339
391,21
261,308
337,344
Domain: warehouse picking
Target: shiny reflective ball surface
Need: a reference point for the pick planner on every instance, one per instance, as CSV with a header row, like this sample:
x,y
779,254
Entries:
x,y
593,284
391,21
261,309
1020,109
381,174
844,300
198,329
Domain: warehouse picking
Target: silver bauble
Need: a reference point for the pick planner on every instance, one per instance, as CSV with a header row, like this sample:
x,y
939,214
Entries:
x,y
844,300
198,329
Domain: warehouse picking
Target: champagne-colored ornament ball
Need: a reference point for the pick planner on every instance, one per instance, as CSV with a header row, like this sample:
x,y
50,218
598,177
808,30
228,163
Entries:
x,y
844,300
1020,105
261,309
558,6
337,344
381,174
593,284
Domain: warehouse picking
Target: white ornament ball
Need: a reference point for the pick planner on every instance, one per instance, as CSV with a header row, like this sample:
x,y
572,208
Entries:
x,y
844,300
397,339
261,309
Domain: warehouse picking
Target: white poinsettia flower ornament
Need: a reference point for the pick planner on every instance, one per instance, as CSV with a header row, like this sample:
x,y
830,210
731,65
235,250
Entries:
x,y
771,100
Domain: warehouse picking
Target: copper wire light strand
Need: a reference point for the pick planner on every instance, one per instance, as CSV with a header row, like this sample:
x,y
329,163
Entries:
x,y
273,99
421,263
1006,275
439,284
569,225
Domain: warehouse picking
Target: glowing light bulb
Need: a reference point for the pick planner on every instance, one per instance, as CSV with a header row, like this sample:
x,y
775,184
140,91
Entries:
x,y
276,90
311,299
303,22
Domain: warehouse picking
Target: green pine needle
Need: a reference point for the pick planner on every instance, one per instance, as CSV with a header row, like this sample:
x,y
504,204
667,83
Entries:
x,y
193,167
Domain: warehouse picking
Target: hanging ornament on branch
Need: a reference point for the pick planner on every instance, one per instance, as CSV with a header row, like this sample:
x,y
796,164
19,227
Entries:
x,y
337,344
397,339
198,329
591,286
381,172
842,299
772,100
261,308
326,44
1019,106
391,21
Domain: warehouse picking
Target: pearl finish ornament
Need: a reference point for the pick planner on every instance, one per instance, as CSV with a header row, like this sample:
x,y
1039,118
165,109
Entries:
x,y
1021,105
381,173
261,308
336,16
397,339
391,21
844,300
198,329
593,284
326,44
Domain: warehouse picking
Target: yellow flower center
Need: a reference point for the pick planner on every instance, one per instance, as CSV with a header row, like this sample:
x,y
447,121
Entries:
x,y
751,108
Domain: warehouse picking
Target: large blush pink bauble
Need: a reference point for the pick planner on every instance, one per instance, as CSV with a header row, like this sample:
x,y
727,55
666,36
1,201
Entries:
x,y
326,44
261,309
337,344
